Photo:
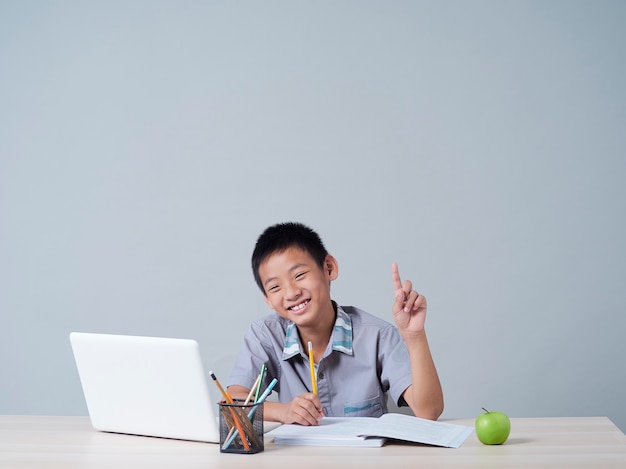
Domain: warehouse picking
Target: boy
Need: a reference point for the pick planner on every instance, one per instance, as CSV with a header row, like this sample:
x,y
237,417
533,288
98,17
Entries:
x,y
359,358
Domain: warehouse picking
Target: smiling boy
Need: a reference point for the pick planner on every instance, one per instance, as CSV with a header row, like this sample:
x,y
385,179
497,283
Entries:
x,y
359,358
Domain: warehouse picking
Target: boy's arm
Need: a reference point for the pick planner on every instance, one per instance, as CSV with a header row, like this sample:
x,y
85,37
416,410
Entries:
x,y
305,409
424,396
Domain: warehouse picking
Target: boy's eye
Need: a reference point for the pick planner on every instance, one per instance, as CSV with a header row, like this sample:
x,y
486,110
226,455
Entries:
x,y
272,288
301,274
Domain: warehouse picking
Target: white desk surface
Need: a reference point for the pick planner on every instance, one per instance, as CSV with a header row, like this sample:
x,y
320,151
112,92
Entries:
x,y
70,442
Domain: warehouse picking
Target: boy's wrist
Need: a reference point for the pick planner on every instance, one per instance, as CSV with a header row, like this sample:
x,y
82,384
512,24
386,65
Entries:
x,y
413,337
272,411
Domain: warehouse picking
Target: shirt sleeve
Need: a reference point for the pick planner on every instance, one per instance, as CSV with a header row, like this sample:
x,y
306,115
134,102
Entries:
x,y
252,355
395,365
249,360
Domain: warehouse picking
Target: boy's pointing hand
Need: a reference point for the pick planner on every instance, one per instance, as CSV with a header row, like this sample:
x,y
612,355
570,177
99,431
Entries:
x,y
409,307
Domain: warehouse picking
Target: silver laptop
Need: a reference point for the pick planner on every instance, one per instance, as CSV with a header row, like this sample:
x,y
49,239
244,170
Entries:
x,y
145,386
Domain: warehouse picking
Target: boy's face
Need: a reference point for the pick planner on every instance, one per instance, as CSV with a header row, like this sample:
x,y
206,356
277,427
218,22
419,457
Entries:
x,y
297,288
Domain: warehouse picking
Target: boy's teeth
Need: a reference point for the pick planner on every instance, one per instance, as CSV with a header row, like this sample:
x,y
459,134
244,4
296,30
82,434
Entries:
x,y
298,307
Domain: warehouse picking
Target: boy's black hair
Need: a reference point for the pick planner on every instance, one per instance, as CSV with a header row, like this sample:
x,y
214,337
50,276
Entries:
x,y
280,237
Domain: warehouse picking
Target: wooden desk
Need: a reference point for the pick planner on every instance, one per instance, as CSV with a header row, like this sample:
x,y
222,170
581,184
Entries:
x,y
70,442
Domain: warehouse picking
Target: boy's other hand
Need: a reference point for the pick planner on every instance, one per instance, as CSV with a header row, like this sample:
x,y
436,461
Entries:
x,y
409,307
305,409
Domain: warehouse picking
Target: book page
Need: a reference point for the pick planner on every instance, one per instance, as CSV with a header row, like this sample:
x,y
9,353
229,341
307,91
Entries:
x,y
417,430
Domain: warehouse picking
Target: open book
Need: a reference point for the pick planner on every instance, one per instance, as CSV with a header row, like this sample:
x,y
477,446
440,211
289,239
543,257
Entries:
x,y
370,431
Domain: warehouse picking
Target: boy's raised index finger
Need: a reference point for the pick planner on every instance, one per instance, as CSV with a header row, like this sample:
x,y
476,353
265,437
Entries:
x,y
395,275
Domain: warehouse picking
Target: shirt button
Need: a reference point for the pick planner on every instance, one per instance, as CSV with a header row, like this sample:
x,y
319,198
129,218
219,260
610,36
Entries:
x,y
321,375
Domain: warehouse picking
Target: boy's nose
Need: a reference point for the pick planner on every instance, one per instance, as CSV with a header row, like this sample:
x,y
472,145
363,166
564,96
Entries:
x,y
293,292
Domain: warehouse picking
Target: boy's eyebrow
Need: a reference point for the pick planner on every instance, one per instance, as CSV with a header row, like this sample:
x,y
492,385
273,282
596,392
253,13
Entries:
x,y
294,267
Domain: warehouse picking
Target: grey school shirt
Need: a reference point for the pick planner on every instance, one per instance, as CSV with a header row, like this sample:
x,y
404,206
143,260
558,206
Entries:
x,y
365,359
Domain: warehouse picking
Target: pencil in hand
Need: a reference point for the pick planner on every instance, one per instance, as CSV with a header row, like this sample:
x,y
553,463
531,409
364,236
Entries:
x,y
312,366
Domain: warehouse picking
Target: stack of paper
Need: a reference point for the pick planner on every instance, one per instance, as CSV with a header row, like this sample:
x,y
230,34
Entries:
x,y
370,431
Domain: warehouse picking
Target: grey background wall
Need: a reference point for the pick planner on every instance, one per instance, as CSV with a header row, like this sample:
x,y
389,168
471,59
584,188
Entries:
x,y
144,145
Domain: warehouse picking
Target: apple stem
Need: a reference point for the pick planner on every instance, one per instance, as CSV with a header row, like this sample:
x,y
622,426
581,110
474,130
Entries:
x,y
484,409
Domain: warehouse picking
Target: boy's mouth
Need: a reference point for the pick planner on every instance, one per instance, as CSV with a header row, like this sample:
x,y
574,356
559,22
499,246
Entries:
x,y
299,306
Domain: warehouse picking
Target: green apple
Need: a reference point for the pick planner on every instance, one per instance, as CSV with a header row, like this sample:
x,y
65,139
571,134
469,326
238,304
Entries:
x,y
492,428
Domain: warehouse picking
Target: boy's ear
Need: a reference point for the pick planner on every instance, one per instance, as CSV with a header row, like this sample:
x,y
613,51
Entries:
x,y
331,268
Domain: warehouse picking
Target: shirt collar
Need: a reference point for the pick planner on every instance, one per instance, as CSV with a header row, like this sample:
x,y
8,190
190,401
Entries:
x,y
341,337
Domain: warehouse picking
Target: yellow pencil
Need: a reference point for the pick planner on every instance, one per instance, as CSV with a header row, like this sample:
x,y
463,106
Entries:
x,y
312,366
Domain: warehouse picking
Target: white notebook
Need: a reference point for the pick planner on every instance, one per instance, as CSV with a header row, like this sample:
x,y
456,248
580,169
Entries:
x,y
145,386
